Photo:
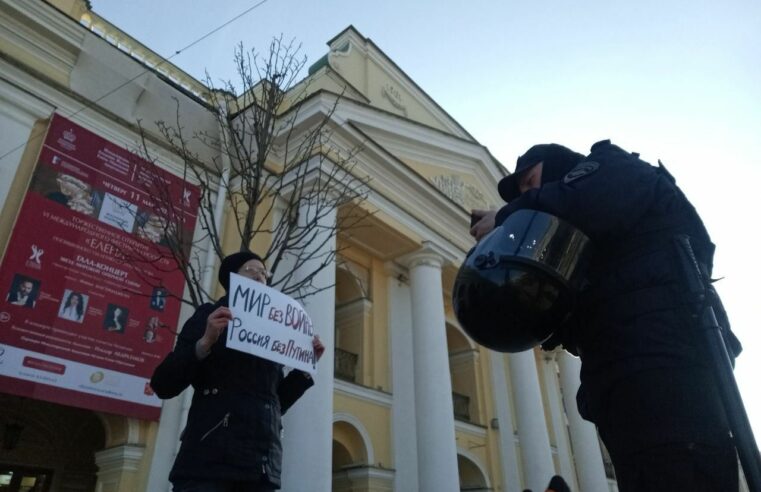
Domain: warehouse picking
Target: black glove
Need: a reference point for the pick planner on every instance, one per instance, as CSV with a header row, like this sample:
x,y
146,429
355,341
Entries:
x,y
564,335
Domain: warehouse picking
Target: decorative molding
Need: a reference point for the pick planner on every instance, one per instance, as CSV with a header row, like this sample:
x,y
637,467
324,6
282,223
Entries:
x,y
23,107
457,190
394,97
425,258
342,51
45,99
126,457
357,307
363,393
143,55
366,472
430,254
464,357
396,271
472,429
29,27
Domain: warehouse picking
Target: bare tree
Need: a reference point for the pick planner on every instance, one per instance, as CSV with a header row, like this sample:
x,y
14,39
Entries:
x,y
279,172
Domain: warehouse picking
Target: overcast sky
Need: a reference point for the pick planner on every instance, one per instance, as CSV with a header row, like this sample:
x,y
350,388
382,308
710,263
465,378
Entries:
x,y
676,80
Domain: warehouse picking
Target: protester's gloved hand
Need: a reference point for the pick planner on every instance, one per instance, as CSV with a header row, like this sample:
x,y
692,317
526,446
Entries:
x,y
215,324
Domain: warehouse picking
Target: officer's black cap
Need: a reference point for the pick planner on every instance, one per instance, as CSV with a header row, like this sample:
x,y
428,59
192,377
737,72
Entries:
x,y
232,263
553,155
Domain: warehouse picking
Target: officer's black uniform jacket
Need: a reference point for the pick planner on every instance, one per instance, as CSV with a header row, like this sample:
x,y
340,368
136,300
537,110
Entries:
x,y
233,428
633,314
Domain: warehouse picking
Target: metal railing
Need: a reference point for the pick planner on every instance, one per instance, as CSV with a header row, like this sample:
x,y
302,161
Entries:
x,y
345,365
461,405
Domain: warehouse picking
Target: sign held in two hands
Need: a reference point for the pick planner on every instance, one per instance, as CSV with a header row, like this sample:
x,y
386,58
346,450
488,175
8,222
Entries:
x,y
269,324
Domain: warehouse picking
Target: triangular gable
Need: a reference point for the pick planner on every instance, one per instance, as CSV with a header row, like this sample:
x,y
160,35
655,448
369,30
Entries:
x,y
384,85
465,172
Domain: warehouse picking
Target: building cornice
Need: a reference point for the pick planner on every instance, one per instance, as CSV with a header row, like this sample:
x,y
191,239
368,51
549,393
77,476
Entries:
x,y
363,393
472,429
52,97
41,35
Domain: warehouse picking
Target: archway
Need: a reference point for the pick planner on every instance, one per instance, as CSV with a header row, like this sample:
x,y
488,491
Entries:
x,y
48,446
463,368
472,476
352,311
352,455
350,447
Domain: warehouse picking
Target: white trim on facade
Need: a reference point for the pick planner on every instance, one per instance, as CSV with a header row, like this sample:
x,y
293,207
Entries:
x,y
363,393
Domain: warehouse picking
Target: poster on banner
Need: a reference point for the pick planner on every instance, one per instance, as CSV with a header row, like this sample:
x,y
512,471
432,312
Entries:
x,y
270,325
80,325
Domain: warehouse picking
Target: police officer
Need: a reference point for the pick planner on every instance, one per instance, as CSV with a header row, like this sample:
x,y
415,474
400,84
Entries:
x,y
645,380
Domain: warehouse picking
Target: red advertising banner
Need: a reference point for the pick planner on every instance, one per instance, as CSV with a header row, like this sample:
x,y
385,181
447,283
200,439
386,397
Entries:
x,y
82,321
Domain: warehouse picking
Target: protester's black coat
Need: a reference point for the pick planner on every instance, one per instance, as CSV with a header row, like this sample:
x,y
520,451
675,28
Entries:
x,y
233,429
632,316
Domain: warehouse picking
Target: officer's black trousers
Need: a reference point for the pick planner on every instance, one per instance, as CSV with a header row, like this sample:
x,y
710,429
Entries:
x,y
666,431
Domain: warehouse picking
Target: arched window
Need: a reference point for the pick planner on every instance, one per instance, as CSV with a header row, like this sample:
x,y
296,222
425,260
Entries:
x,y
463,368
352,321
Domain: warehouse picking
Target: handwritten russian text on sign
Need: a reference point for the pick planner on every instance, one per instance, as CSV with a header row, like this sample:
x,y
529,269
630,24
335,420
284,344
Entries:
x,y
269,324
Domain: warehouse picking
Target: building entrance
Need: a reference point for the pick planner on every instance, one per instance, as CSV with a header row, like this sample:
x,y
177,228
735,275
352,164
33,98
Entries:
x,y
21,479
46,447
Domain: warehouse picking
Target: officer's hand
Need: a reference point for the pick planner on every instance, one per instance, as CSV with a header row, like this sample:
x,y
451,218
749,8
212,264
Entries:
x,y
215,324
318,347
484,223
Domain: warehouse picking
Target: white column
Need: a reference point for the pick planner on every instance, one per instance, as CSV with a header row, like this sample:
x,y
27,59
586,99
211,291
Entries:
x,y
166,445
403,424
534,441
508,458
174,412
437,451
308,425
586,446
557,415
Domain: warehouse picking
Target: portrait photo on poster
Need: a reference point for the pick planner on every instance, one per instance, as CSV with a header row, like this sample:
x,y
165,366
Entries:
x,y
116,318
151,327
158,299
23,291
73,306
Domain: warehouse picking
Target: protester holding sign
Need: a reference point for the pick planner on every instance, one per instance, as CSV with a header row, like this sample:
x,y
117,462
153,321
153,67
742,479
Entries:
x,y
232,438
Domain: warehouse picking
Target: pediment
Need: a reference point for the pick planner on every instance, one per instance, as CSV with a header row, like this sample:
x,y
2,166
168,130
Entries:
x,y
463,171
384,84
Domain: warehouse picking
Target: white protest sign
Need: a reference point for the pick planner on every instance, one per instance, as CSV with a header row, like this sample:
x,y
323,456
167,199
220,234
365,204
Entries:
x,y
269,324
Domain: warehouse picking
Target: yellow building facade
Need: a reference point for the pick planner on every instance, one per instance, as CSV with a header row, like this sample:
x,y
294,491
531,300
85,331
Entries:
x,y
405,400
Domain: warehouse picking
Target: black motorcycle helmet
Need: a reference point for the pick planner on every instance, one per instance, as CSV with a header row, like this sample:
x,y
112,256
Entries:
x,y
519,282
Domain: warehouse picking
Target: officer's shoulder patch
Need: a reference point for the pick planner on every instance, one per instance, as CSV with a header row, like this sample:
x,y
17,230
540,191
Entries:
x,y
581,170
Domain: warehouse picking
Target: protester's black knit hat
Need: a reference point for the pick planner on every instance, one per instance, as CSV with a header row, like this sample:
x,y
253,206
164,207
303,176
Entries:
x,y
232,263
558,160
557,484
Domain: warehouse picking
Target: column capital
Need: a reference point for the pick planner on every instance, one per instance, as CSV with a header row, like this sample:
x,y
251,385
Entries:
x,y
429,254
396,270
124,457
552,355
